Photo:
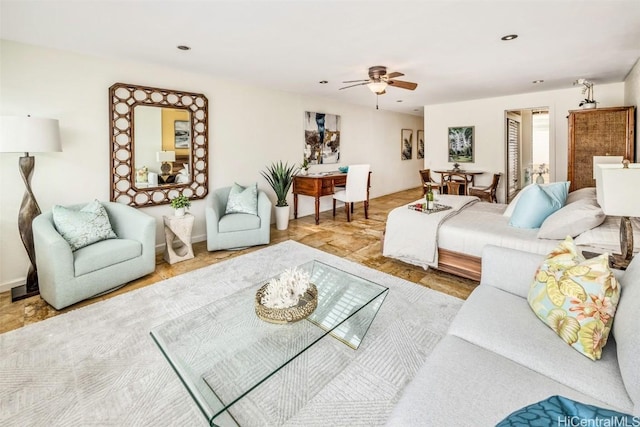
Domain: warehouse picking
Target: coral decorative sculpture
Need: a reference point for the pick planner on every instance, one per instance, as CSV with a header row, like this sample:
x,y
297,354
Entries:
x,y
285,291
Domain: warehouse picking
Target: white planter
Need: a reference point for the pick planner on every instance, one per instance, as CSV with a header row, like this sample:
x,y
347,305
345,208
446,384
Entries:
x,y
282,217
589,106
179,212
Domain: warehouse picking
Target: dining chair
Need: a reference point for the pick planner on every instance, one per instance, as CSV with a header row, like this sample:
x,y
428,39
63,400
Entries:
x,y
425,175
455,183
357,190
487,193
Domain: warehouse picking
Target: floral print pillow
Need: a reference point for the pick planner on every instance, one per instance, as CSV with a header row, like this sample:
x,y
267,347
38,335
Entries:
x,y
577,298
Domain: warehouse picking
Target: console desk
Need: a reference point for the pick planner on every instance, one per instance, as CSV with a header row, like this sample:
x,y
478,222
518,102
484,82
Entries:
x,y
319,185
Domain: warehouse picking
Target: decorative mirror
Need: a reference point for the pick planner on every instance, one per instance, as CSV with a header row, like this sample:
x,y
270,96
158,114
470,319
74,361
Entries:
x,y
158,144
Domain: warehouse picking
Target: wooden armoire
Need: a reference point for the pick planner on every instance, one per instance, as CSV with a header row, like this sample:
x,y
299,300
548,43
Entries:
x,y
598,132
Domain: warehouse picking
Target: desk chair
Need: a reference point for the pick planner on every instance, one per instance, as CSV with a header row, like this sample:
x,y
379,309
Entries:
x,y
355,191
487,193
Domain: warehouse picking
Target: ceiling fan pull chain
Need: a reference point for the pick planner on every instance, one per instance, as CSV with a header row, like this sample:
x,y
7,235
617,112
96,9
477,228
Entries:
x,y
377,101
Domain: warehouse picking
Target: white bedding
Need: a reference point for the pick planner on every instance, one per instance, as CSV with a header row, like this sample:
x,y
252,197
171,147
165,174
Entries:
x,y
412,236
475,225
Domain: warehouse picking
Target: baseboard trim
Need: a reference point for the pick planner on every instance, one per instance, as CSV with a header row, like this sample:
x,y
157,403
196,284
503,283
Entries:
x,y
4,287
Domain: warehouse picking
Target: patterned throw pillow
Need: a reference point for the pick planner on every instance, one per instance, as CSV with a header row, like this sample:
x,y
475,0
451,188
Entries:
x,y
83,227
243,199
577,298
558,410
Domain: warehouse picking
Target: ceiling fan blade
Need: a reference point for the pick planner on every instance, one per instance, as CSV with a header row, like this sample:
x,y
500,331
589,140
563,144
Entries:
x,y
402,84
357,84
356,81
394,75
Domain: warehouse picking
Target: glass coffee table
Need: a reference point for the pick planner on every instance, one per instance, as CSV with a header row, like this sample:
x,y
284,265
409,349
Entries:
x,y
223,351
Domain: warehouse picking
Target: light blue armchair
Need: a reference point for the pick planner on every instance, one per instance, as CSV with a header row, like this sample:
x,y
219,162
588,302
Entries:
x,y
236,230
67,277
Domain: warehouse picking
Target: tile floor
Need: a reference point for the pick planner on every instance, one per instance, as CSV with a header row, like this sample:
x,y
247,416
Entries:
x,y
359,241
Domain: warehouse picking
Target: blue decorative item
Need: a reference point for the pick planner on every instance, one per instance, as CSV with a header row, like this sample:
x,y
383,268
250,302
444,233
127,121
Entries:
x,y
557,410
344,169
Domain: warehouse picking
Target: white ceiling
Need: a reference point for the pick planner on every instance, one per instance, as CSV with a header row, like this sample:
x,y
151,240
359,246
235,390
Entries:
x,y
452,49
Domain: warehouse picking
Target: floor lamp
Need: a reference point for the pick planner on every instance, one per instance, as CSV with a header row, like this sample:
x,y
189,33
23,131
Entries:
x,y
618,193
24,135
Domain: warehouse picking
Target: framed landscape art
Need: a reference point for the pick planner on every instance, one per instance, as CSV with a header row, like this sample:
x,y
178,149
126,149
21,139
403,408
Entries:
x,y
461,144
406,144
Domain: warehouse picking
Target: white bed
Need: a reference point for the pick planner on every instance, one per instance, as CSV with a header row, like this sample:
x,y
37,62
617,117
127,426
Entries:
x,y
462,235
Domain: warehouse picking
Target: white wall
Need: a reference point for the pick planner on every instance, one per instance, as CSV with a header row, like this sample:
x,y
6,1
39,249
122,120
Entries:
x,y
487,115
632,97
249,127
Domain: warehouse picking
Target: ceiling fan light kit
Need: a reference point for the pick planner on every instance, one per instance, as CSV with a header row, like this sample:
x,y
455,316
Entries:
x,y
379,79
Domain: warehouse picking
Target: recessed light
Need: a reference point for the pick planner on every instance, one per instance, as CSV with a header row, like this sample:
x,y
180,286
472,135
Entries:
x,y
509,37
535,82
183,47
323,82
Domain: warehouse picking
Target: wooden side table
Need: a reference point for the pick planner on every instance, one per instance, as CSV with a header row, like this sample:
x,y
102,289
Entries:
x,y
177,234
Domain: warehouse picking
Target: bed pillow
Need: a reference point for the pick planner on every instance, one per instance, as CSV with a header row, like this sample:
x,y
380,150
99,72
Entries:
x,y
538,203
582,194
572,220
83,227
606,236
243,199
577,298
510,208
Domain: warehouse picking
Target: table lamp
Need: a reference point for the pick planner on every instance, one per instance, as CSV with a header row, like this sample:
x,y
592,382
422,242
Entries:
x,y
618,193
166,157
24,135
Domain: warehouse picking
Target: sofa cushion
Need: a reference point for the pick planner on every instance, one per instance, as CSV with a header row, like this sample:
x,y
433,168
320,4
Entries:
x,y
238,222
503,323
553,410
104,254
577,298
626,330
464,384
83,227
243,199
537,203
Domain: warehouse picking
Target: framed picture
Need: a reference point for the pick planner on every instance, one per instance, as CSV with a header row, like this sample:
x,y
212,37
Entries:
x,y
420,144
461,144
406,144
182,132
321,138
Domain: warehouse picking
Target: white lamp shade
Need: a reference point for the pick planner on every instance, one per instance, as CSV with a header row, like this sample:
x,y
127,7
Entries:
x,y
166,156
602,160
377,87
618,189
29,134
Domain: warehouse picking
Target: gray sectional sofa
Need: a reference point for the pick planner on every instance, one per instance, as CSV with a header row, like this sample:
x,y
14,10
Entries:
x,y
497,356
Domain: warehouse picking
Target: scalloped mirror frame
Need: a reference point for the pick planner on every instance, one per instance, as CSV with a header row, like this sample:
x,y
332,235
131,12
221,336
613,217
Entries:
x,y
123,98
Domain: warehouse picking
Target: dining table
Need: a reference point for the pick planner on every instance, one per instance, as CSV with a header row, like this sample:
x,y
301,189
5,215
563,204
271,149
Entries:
x,y
467,175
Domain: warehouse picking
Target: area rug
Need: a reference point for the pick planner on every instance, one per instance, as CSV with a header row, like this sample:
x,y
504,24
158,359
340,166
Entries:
x,y
98,365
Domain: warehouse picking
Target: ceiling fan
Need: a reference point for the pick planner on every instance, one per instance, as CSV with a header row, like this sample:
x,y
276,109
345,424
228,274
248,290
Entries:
x,y
379,80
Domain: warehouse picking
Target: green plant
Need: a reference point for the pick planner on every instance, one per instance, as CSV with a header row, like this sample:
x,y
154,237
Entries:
x,y
180,201
305,164
280,177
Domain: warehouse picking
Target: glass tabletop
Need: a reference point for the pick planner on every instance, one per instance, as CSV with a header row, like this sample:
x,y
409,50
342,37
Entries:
x,y
223,351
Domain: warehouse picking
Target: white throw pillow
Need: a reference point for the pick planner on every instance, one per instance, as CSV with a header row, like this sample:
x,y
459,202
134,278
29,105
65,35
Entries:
x,y
243,199
573,219
588,193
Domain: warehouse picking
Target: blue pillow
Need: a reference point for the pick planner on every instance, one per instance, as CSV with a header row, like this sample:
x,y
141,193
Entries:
x,y
536,204
558,410
243,199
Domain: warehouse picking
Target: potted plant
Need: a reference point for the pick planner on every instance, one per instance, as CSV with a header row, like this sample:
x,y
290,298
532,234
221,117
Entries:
x,y
304,167
180,203
587,90
280,177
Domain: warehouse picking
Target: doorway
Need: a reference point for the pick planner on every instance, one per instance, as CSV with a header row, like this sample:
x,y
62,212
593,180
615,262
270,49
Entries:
x,y
527,148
